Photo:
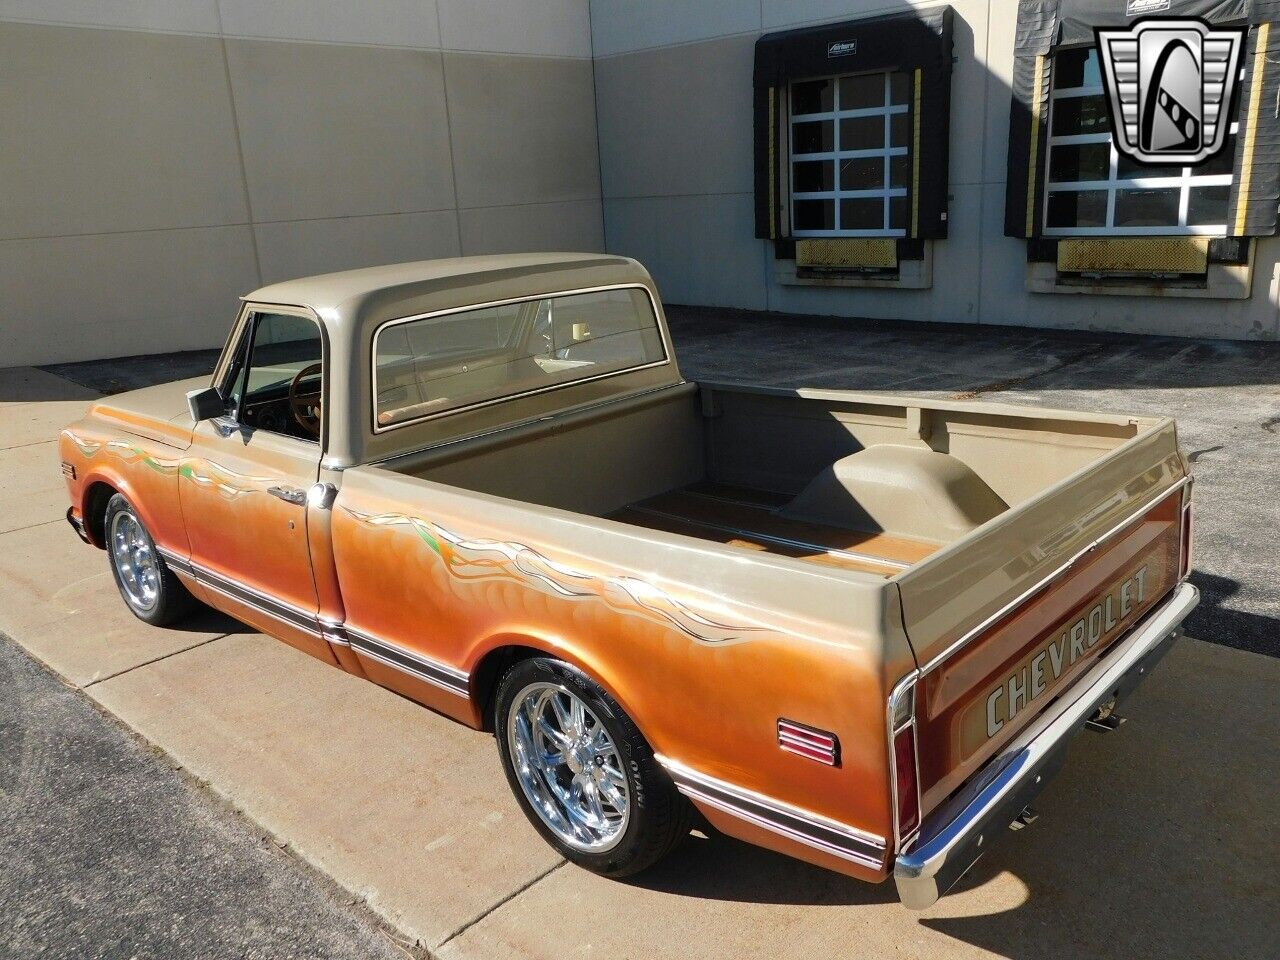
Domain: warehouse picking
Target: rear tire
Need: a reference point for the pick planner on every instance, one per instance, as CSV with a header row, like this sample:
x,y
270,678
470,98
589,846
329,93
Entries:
x,y
149,588
581,771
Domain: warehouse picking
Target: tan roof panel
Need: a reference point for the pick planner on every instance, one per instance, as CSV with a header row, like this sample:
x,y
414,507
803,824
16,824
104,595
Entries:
x,y
340,296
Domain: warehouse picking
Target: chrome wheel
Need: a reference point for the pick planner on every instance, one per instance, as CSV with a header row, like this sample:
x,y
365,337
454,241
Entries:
x,y
135,561
569,767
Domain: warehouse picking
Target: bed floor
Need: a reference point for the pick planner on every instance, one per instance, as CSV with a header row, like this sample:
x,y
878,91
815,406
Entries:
x,y
746,518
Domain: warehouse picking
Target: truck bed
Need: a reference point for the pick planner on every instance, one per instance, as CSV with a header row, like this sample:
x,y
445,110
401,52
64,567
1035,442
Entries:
x,y
988,539
747,518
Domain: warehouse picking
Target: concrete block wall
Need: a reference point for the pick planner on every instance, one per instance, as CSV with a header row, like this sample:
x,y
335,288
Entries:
x,y
159,158
673,89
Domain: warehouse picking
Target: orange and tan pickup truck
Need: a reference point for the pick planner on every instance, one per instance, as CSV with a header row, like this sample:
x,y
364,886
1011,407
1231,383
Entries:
x,y
860,629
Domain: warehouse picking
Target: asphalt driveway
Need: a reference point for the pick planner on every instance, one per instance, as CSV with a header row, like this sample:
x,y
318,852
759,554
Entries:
x,y
1157,840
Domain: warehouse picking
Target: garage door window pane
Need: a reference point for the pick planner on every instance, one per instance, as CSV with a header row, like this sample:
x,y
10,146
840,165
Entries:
x,y
1146,208
814,136
862,133
1076,68
814,96
899,171
863,173
1086,208
900,130
1207,206
899,210
1222,164
815,214
1086,161
862,214
814,175
1076,115
862,93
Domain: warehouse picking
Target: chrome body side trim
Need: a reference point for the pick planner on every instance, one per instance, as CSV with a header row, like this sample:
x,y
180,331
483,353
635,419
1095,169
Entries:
x,y
435,672
442,675
175,560
997,794
811,829
1027,594
264,603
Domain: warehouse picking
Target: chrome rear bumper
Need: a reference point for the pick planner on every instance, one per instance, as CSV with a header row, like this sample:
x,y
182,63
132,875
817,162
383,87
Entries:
x,y
1014,777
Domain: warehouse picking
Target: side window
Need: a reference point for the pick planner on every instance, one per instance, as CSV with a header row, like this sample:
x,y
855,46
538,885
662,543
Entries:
x,y
276,381
429,365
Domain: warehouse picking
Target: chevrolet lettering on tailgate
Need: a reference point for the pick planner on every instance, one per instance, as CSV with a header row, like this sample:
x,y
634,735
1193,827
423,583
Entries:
x,y
1047,666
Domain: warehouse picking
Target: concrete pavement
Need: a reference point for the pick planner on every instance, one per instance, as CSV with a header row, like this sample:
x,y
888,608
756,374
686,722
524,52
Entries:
x,y
1157,840
106,851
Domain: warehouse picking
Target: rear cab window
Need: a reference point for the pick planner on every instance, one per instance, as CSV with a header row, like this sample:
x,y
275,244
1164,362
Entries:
x,y
425,366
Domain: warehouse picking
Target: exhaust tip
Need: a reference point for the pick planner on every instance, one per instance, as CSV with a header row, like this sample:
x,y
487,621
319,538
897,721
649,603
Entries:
x,y
1026,818
1106,719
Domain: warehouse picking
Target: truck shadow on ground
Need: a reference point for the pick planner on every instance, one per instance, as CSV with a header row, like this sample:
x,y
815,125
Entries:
x,y
1155,840
1239,628
207,620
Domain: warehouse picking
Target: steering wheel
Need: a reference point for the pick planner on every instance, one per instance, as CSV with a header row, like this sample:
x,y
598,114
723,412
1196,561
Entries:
x,y
305,405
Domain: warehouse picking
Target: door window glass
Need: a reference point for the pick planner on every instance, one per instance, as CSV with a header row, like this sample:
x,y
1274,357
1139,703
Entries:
x,y
277,382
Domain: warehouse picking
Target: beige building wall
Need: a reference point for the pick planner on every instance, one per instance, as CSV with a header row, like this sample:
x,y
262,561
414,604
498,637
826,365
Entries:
x,y
162,157
159,158
674,101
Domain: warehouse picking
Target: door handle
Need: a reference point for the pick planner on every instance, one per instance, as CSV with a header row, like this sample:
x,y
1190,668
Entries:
x,y
289,494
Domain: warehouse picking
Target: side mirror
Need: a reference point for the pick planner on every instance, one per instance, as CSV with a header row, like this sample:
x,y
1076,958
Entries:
x,y
205,404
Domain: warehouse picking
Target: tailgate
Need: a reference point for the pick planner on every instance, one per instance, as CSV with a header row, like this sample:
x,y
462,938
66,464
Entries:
x,y
1004,620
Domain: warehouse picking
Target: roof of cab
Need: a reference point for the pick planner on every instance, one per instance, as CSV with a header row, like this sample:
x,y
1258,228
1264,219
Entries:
x,y
459,281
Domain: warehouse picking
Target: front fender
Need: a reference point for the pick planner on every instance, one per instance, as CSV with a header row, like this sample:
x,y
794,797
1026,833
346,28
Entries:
x,y
144,471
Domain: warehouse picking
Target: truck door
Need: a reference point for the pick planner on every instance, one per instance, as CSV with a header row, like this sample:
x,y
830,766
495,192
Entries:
x,y
244,480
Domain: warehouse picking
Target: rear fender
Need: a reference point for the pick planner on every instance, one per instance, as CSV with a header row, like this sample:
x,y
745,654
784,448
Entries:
x,y
577,655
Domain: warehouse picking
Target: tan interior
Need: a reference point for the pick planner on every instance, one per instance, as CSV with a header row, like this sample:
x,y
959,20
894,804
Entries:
x,y
858,484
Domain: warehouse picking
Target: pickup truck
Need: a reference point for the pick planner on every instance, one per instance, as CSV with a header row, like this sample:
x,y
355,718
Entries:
x,y
859,629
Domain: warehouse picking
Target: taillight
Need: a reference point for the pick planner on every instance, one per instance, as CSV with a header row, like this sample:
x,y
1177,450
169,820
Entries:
x,y
906,778
904,752
1184,562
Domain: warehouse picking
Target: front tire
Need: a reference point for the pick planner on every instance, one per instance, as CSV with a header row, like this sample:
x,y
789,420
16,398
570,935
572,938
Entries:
x,y
581,771
149,588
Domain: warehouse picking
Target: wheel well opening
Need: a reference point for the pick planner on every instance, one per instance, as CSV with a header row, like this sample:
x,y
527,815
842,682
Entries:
x,y
95,511
490,670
